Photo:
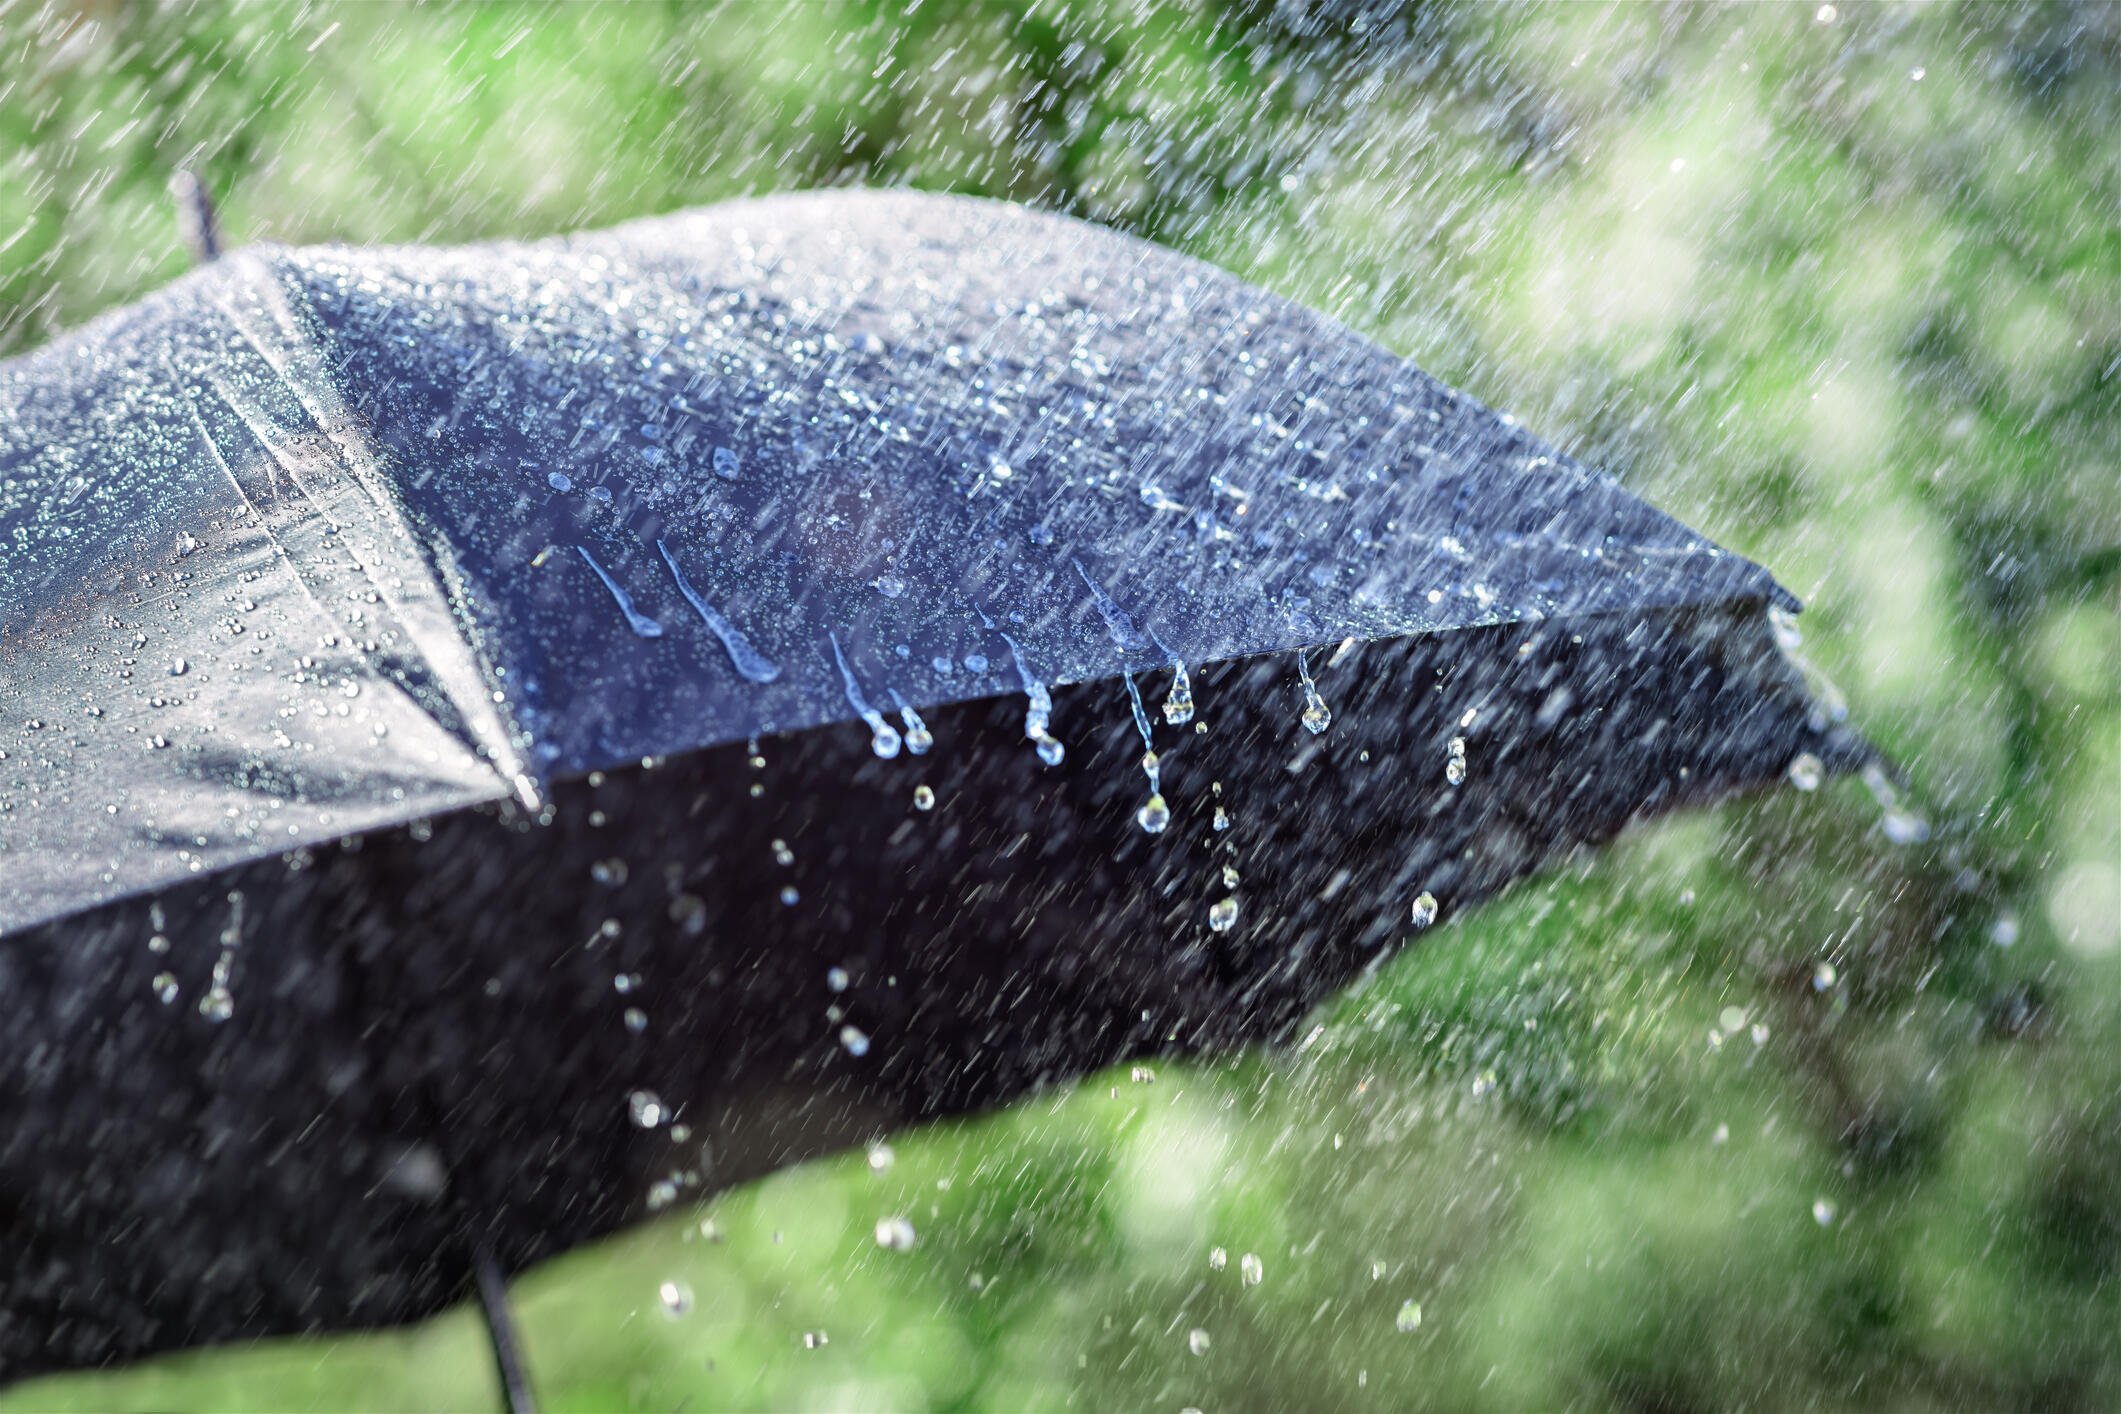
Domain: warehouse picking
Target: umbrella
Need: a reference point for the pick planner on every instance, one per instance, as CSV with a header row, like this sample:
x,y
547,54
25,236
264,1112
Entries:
x,y
497,740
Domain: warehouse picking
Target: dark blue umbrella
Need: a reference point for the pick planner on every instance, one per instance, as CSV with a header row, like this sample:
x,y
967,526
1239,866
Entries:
x,y
494,739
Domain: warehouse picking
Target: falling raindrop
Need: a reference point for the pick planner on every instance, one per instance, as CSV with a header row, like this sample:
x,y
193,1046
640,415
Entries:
x,y
1424,909
1218,1258
1409,1318
854,1040
1823,976
1823,1211
676,1298
646,1110
895,1235
1806,771
165,988
1197,1341
1222,914
635,619
1253,1270
881,1158
1222,819
923,798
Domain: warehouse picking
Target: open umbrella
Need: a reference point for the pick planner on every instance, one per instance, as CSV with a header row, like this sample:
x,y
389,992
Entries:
x,y
494,740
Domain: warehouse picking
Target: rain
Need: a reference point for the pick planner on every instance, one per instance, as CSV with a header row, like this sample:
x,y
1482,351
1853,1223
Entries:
x,y
1071,704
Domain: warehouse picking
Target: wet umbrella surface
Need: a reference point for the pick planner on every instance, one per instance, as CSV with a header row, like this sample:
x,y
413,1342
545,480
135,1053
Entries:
x,y
494,738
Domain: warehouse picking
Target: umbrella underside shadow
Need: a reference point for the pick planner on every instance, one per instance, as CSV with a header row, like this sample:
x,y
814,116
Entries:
x,y
719,963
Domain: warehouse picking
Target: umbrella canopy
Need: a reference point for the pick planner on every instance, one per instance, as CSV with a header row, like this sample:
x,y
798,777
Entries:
x,y
495,739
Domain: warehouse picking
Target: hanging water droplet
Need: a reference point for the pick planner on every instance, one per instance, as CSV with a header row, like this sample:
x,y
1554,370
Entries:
x,y
1806,771
676,1298
1039,711
1424,909
895,1235
918,737
1178,702
883,737
1154,816
1409,1318
1317,716
1222,915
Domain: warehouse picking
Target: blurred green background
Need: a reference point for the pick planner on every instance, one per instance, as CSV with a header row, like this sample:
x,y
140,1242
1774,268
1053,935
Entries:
x,y
1758,1110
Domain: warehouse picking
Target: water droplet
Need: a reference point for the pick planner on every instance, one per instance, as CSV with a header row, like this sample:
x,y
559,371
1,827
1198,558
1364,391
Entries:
x,y
881,1158
676,1298
750,664
895,1235
1154,816
1317,716
1041,535
791,896
645,1108
918,737
1424,909
1178,702
1409,1318
975,662
923,798
166,990
1253,1270
1822,1211
815,1340
1197,1341
1218,1258
1806,771
600,494
636,1020
560,481
1222,915
1039,711
726,464
635,619
1824,976
854,1040
883,737
610,872
782,855
179,668
1222,820
217,1005
890,585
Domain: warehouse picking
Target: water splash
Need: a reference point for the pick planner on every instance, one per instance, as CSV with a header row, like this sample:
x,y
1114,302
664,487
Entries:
x,y
1317,716
639,622
747,660
883,737
1039,711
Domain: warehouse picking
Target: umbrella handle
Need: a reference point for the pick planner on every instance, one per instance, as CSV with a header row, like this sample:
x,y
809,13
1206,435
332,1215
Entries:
x,y
501,1329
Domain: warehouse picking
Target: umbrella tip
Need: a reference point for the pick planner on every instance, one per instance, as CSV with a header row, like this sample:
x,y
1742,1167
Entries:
x,y
196,222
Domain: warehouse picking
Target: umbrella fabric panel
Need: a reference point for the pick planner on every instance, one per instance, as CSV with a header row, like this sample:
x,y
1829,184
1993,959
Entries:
x,y
216,639
486,1030
774,463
